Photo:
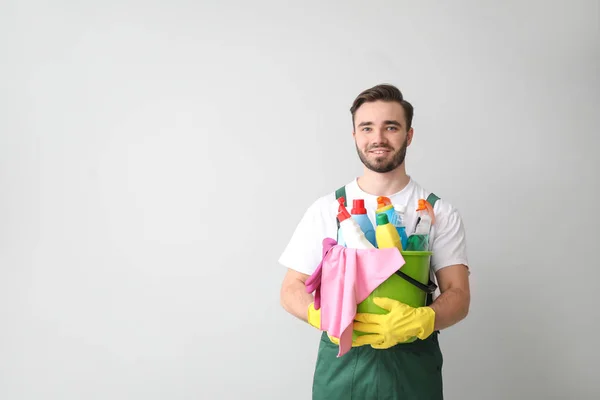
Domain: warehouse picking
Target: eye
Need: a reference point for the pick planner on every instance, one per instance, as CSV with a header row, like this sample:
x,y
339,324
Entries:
x,y
392,128
366,129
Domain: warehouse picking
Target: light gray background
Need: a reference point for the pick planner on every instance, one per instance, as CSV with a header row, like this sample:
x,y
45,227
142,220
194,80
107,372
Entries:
x,y
155,158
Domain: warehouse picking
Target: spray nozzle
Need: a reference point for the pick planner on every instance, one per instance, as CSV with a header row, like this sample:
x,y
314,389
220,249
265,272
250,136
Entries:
x,y
425,205
383,201
343,213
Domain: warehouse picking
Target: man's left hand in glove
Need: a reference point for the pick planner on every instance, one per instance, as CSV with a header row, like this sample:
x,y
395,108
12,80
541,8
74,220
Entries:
x,y
314,319
401,323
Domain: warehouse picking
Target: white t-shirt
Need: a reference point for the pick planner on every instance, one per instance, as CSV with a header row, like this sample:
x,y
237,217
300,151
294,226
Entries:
x,y
447,239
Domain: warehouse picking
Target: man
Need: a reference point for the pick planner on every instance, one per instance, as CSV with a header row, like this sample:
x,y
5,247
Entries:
x,y
377,366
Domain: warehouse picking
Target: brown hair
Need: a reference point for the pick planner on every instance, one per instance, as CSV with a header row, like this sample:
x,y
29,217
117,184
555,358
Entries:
x,y
384,92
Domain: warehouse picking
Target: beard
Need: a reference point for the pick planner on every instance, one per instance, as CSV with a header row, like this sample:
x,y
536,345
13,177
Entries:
x,y
385,163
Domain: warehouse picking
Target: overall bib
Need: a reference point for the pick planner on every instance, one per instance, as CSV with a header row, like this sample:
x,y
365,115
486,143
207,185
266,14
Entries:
x,y
409,371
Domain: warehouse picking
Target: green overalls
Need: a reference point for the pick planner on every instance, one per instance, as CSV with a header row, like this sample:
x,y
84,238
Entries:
x,y
411,371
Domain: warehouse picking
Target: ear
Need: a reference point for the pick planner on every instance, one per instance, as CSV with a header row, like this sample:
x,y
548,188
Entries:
x,y
410,135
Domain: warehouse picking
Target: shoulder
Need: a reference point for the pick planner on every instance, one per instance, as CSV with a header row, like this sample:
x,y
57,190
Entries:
x,y
444,208
327,204
319,217
320,204
448,236
304,250
448,220
441,205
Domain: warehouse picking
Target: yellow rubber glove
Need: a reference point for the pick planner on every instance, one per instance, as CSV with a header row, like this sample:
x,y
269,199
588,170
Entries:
x,y
314,319
400,324
314,316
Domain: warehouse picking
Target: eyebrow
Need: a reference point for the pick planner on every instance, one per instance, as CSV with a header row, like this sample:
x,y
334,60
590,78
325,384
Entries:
x,y
388,122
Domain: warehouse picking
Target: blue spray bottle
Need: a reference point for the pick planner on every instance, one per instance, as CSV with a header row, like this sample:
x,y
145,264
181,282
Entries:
x,y
400,226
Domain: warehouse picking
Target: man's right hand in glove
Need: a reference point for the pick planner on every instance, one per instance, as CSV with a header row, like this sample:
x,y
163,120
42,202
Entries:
x,y
295,300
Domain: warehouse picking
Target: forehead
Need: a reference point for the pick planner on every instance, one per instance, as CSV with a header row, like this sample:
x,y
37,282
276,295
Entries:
x,y
379,111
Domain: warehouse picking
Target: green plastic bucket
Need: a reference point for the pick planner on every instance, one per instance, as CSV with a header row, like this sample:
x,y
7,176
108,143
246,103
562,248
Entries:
x,y
398,288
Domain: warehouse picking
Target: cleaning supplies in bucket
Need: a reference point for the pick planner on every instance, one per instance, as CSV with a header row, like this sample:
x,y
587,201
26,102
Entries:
x,y
419,240
386,234
354,236
395,214
416,266
359,214
400,227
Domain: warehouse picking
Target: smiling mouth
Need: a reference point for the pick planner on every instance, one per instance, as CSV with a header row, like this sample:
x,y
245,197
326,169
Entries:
x,y
379,152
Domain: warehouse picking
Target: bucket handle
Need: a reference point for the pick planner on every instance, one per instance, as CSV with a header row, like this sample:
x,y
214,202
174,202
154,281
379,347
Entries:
x,y
430,288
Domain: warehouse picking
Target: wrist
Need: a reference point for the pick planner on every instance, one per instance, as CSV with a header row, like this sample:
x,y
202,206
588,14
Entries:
x,y
428,321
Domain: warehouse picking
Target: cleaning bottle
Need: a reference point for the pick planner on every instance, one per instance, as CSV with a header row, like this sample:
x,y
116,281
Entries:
x,y
419,240
400,209
354,237
396,287
359,214
384,205
386,233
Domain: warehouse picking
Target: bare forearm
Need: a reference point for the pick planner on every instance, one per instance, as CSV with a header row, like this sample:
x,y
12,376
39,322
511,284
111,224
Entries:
x,y
450,308
295,300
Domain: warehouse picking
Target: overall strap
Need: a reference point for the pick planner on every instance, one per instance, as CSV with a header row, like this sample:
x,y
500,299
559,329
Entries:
x,y
432,198
341,192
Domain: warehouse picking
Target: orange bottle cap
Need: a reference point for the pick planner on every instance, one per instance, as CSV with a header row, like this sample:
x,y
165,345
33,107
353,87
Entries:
x,y
383,201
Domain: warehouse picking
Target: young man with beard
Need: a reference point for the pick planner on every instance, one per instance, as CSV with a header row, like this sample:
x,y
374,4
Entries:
x,y
376,367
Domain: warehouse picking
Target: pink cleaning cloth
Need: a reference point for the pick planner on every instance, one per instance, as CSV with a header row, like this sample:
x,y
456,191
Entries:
x,y
344,278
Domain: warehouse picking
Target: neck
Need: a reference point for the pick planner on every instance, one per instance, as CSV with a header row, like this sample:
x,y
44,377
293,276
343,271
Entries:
x,y
383,184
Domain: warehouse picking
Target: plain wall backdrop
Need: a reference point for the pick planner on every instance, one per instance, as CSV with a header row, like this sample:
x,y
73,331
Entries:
x,y
155,158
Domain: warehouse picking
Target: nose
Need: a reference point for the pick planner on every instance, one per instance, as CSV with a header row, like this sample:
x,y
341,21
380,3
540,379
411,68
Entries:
x,y
378,137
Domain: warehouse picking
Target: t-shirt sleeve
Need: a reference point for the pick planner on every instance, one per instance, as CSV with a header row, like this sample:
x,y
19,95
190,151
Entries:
x,y
304,251
449,245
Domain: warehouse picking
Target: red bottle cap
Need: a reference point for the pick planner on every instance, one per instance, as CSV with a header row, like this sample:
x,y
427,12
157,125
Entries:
x,y
358,206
